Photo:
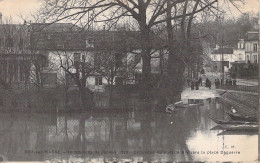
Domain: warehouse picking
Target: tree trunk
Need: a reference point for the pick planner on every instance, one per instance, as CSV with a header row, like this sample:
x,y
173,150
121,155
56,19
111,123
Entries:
x,y
175,64
146,56
145,39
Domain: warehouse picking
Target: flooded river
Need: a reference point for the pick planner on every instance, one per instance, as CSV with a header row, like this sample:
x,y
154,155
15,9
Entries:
x,y
126,136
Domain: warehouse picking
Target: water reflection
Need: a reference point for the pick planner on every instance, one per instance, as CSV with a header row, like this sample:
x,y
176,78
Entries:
x,y
126,136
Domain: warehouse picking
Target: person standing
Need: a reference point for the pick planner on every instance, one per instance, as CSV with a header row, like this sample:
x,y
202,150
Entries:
x,y
234,82
230,82
188,81
197,83
209,84
218,83
192,85
226,82
200,81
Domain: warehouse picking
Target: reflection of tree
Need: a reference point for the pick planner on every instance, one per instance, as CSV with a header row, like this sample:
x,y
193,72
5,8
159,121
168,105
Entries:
x,y
81,138
175,130
146,134
164,135
41,140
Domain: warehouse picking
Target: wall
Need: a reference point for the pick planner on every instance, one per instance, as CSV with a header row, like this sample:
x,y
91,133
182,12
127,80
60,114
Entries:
x,y
239,55
250,52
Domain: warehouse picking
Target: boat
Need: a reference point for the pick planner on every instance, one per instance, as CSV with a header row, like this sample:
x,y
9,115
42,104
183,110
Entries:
x,y
170,108
238,132
180,103
239,126
218,127
219,121
238,117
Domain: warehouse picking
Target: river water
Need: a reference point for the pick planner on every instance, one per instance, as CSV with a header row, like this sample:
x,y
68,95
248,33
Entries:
x,y
185,135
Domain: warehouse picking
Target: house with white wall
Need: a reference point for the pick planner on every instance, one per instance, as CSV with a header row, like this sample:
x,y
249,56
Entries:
x,y
251,46
106,54
239,54
219,55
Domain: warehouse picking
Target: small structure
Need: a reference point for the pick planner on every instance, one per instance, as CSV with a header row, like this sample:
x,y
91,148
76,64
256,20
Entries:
x,y
228,57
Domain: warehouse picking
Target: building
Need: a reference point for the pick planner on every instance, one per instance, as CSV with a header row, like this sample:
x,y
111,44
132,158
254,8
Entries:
x,y
47,55
15,57
239,54
251,46
220,55
246,65
108,57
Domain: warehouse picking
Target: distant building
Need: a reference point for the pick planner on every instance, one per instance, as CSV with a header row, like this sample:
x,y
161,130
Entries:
x,y
247,52
34,54
99,48
216,56
15,57
239,52
251,46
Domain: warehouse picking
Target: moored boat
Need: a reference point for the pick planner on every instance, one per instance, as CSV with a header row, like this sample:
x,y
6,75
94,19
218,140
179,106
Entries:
x,y
170,108
219,121
239,126
238,132
238,117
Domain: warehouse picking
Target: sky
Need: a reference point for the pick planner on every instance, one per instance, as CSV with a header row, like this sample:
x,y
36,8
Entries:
x,y
15,8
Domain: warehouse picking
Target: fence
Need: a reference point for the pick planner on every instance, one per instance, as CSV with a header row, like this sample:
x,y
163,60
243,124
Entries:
x,y
244,88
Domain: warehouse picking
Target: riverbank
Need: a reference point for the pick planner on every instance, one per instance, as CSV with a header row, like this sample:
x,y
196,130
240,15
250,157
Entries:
x,y
246,103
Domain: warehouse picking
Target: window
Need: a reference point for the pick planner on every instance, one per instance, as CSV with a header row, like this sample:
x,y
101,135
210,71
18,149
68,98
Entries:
x,y
69,79
119,81
118,59
97,59
76,59
255,58
255,47
49,79
98,80
247,58
44,60
247,47
240,57
90,43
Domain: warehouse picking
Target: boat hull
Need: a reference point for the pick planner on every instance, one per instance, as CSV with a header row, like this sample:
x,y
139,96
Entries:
x,y
219,121
238,117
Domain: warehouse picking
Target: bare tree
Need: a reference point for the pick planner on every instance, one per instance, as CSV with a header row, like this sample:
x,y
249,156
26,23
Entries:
x,y
15,56
147,14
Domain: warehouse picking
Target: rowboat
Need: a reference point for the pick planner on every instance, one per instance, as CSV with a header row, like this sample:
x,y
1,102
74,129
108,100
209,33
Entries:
x,y
238,117
219,121
238,132
170,108
239,127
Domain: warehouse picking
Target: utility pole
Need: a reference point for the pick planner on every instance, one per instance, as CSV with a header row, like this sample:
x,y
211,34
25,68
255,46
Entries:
x,y
258,75
222,58
258,71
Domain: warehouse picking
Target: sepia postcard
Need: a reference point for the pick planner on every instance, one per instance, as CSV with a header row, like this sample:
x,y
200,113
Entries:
x,y
129,81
